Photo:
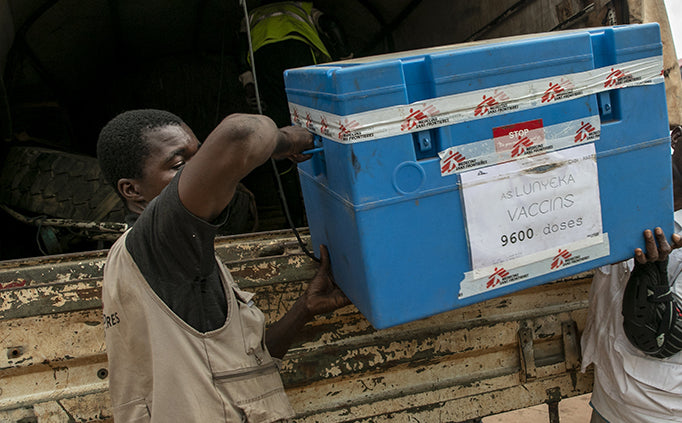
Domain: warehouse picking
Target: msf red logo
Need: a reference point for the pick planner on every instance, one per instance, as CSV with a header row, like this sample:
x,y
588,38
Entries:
x,y
347,127
584,132
520,146
496,277
418,115
324,126
560,259
551,92
450,162
488,102
614,77
295,117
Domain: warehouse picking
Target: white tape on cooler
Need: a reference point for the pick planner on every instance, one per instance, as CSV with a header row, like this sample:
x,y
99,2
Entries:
x,y
479,281
513,144
463,107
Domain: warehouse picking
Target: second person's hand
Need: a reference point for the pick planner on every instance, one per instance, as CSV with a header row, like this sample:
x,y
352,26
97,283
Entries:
x,y
657,246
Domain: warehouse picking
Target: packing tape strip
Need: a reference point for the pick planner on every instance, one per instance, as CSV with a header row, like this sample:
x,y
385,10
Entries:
x,y
463,107
531,142
479,281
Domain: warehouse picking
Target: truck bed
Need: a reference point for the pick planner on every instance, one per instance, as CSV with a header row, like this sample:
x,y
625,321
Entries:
x,y
502,354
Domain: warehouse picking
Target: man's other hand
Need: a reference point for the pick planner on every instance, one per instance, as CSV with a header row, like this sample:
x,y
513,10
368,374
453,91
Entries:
x,y
657,246
293,141
322,294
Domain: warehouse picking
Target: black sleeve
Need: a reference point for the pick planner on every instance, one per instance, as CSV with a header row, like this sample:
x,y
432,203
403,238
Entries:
x,y
175,253
651,316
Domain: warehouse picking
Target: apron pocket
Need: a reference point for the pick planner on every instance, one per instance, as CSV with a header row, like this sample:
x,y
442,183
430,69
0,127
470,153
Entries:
x,y
257,392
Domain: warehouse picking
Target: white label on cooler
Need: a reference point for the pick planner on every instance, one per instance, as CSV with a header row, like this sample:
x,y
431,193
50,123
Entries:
x,y
530,206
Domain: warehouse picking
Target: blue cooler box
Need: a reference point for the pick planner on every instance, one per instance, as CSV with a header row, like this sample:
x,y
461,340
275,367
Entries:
x,y
448,176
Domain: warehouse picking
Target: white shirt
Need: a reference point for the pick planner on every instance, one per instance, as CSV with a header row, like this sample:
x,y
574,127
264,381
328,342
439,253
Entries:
x,y
629,386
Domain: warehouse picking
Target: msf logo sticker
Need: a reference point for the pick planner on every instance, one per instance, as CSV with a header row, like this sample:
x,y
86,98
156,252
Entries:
x,y
309,122
586,131
551,92
496,278
559,90
616,77
417,115
520,146
295,118
347,127
450,162
560,259
324,126
488,103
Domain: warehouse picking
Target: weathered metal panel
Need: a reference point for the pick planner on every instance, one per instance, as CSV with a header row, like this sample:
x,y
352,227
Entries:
x,y
450,367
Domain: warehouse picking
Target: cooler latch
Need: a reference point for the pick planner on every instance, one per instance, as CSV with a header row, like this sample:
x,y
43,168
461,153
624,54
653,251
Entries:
x,y
605,106
425,144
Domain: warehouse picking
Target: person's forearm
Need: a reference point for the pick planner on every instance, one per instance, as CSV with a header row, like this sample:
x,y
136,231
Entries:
x,y
282,333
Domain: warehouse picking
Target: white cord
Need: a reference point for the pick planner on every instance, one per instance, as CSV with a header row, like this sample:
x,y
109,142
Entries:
x,y
253,61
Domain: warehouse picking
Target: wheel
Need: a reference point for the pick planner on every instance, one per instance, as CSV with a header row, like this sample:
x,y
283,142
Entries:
x,y
42,181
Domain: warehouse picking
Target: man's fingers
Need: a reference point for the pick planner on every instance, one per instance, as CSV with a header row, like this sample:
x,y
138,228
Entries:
x,y
298,158
664,248
657,246
650,244
677,241
639,256
341,298
324,259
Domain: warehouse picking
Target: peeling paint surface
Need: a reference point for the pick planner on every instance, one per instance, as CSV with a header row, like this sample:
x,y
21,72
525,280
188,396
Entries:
x,y
450,367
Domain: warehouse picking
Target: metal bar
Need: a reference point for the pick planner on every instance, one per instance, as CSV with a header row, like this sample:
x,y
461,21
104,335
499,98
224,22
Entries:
x,y
553,408
113,228
553,399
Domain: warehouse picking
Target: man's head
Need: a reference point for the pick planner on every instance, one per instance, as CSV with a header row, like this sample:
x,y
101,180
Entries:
x,y
140,151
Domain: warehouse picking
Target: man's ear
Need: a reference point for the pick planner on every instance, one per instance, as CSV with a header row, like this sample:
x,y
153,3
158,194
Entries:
x,y
129,190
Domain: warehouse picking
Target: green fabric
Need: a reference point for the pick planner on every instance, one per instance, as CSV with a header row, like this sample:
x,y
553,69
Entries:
x,y
286,21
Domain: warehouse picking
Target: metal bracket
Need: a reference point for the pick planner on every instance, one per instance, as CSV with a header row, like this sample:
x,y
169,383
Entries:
x,y
424,141
526,353
553,398
569,333
605,107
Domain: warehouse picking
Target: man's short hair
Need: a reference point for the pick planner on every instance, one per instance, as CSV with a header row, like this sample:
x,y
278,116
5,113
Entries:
x,y
122,146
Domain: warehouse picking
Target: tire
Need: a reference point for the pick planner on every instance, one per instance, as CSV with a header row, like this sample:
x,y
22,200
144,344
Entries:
x,y
53,183
48,182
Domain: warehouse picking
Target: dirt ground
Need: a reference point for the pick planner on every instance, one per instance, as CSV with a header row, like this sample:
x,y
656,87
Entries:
x,y
571,410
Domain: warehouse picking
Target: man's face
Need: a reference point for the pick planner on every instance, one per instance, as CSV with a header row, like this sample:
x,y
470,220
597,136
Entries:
x,y
170,147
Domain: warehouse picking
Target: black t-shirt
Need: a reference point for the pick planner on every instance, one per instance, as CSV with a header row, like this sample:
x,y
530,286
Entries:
x,y
175,252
